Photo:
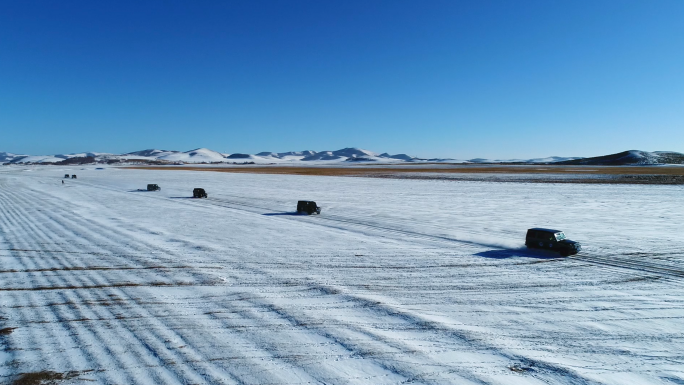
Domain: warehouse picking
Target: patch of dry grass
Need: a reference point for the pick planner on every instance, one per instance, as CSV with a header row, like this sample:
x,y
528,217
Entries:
x,y
88,287
426,168
45,377
6,331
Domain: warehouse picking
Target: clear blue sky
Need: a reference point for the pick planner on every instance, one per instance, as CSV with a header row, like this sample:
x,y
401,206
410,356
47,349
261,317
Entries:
x,y
430,78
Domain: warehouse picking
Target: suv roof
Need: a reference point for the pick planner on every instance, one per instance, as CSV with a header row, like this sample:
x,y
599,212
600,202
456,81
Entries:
x,y
546,230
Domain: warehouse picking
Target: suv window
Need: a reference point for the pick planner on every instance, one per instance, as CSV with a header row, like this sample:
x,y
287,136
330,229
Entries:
x,y
543,235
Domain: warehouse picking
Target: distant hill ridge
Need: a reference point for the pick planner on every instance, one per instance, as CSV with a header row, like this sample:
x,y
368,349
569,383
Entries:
x,y
350,154
631,157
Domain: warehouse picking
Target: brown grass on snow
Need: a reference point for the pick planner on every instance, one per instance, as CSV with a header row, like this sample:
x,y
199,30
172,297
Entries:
x,y
45,377
455,169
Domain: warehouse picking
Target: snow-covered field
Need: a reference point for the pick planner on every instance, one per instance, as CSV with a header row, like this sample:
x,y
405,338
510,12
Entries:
x,y
397,281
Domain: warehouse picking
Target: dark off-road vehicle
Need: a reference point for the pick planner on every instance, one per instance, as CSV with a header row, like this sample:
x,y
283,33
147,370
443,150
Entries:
x,y
153,187
199,193
73,176
66,176
308,207
551,240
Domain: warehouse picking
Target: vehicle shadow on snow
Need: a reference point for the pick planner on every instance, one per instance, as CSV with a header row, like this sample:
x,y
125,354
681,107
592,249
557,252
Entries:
x,y
525,253
182,197
274,214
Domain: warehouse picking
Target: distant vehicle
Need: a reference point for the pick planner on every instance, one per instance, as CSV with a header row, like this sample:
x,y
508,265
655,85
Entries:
x,y
73,176
66,176
199,193
308,207
551,240
153,187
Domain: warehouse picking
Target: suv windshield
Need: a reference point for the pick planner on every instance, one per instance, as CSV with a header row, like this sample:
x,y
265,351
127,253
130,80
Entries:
x,y
560,236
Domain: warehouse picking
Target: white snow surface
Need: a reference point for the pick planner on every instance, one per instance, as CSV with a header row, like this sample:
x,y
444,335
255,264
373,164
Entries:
x,y
38,159
8,156
397,281
194,156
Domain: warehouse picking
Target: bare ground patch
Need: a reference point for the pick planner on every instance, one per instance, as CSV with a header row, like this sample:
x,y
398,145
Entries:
x,y
46,377
87,287
457,169
524,173
94,268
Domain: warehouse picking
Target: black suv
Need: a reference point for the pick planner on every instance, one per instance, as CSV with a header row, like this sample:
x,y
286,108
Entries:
x,y
308,207
551,240
199,193
153,187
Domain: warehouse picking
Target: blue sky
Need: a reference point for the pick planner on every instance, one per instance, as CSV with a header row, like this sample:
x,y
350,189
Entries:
x,y
431,78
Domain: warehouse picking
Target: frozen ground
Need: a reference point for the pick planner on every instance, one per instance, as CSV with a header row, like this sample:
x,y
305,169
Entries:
x,y
398,281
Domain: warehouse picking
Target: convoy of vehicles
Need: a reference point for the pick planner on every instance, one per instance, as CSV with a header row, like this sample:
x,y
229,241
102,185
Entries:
x,y
537,238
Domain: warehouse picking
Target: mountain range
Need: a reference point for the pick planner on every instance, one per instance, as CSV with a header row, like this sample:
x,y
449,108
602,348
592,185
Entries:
x,y
204,155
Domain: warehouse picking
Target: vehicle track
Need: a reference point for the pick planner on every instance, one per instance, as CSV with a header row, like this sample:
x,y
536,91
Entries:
x,y
289,317
655,268
151,353
65,224
633,265
148,358
239,202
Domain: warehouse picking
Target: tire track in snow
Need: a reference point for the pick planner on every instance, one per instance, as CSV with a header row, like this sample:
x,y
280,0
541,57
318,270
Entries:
x,y
422,321
358,331
633,265
251,207
66,225
269,278
177,257
392,314
670,271
414,376
168,253
258,209
11,217
146,337
97,353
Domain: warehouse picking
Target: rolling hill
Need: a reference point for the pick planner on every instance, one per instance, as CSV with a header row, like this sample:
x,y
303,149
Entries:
x,y
350,154
630,158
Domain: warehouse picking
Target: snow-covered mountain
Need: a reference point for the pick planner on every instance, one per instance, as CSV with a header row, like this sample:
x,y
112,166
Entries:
x,y
550,159
193,156
152,153
205,155
351,154
9,157
284,155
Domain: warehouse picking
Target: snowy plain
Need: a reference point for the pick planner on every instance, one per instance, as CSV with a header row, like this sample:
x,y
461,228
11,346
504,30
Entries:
x,y
397,281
